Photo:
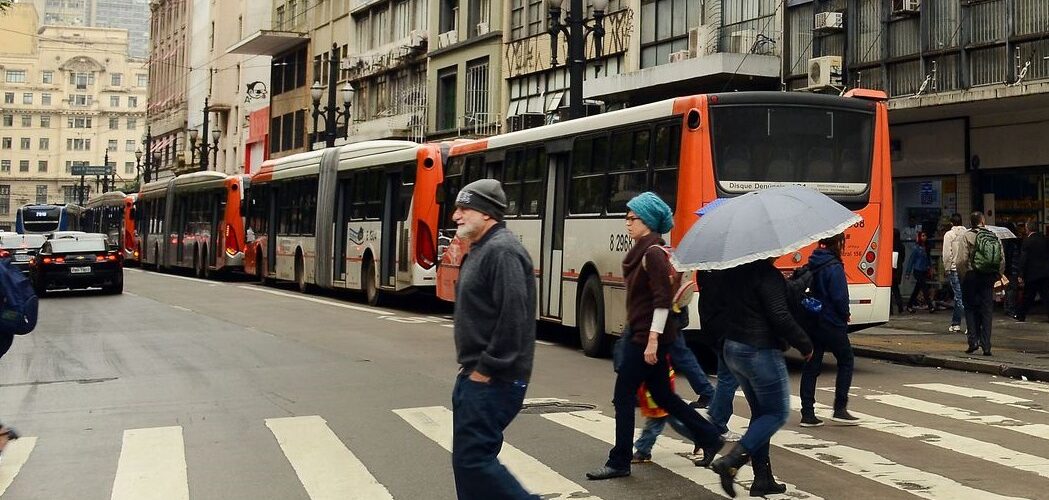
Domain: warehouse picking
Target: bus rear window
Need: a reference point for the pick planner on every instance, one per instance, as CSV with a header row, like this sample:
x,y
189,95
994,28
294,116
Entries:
x,y
760,146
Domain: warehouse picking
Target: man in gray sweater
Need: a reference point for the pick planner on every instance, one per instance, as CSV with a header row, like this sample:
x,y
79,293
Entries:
x,y
495,301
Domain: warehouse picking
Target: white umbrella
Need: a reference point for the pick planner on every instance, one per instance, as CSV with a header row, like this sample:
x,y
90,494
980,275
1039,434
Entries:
x,y
760,225
1003,233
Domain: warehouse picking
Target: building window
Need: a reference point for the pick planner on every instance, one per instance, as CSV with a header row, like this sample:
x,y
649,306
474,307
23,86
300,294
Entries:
x,y
45,99
132,123
45,144
27,121
446,86
132,102
129,145
27,98
536,17
81,80
9,97
15,76
114,101
143,80
41,194
129,167
78,144
80,100
402,23
79,122
23,165
111,145
664,28
47,77
114,123
478,17
9,121
25,143
69,194
288,71
41,166
448,13
45,122
364,33
116,79
5,195
5,165
477,93
6,143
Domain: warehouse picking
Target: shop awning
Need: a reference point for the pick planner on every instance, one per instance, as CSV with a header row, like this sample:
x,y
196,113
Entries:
x,y
268,42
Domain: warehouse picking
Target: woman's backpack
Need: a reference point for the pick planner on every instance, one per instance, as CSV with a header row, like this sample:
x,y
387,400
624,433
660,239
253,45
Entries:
x,y
683,289
18,302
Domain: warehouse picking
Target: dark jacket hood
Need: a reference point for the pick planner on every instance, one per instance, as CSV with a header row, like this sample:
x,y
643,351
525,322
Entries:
x,y
821,256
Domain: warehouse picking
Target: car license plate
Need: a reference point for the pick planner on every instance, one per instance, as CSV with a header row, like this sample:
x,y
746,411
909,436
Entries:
x,y
80,270
22,257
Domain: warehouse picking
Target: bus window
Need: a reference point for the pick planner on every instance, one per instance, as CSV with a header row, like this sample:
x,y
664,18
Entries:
x,y
474,169
512,182
666,151
624,185
587,185
532,175
408,174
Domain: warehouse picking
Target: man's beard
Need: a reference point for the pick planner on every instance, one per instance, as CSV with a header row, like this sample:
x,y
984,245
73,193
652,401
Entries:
x,y
466,232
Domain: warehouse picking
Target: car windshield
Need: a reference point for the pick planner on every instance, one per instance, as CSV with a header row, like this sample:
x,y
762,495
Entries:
x,y
68,245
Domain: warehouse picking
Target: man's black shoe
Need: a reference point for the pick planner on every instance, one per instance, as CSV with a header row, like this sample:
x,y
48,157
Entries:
x,y
971,349
708,454
987,353
701,402
607,472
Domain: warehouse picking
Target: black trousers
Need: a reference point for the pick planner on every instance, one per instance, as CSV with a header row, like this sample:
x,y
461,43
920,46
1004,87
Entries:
x,y
921,287
978,296
1038,287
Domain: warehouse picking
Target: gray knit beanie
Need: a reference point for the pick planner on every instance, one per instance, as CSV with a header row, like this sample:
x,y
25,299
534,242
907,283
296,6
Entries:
x,y
485,195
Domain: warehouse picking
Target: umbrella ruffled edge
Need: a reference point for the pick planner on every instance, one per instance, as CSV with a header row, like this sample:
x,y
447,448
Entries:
x,y
746,259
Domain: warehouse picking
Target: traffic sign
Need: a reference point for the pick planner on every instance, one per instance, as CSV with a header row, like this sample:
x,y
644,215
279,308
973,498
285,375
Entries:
x,y
92,170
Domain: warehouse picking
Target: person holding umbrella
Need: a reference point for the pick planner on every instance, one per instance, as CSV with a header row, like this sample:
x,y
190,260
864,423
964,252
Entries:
x,y
736,238
649,333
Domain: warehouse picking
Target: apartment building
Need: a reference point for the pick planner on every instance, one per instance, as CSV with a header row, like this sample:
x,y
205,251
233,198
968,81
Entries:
x,y
168,66
131,15
70,96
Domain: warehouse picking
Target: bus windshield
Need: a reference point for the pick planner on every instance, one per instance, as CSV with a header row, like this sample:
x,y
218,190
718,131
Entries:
x,y
761,146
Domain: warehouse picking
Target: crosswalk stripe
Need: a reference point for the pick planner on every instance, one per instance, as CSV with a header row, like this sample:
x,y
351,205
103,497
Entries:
x,y
152,465
325,466
999,421
435,422
15,455
989,396
959,444
665,453
1024,384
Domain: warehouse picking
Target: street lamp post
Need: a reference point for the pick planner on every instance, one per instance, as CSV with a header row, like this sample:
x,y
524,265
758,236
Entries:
x,y
147,140
204,148
138,166
575,28
105,173
332,113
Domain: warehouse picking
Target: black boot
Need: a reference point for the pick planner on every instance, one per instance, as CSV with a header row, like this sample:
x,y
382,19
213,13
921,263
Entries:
x,y
764,483
727,466
708,454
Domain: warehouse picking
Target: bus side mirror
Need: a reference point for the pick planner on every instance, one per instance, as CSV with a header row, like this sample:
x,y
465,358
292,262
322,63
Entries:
x,y
440,196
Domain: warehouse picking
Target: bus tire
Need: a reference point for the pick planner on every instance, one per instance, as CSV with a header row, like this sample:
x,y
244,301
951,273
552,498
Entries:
x,y
156,257
372,295
590,318
205,269
300,272
197,271
260,269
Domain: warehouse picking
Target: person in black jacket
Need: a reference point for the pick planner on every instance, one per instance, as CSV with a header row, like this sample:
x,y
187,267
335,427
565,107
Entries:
x,y
830,287
1034,270
762,327
7,434
897,270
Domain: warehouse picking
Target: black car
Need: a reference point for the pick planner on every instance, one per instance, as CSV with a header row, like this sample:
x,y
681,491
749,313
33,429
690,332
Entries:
x,y
78,262
20,248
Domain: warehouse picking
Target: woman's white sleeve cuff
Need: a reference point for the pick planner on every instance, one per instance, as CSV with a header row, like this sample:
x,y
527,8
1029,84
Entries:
x,y
659,319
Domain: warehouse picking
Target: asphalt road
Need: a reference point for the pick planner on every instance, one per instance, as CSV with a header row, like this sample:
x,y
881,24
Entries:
x,y
182,388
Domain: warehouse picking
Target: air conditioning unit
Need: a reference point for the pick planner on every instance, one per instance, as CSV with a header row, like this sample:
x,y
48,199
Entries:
x,y
827,21
418,38
703,40
447,38
906,6
680,55
825,71
743,41
482,28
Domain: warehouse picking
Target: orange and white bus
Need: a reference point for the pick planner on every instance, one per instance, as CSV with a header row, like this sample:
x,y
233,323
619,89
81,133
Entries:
x,y
567,185
361,216
193,221
111,214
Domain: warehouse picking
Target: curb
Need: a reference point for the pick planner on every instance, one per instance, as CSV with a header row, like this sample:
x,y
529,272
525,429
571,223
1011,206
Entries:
x,y
954,363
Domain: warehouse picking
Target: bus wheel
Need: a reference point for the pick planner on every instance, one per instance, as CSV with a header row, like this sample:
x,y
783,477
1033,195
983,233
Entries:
x,y
371,290
300,273
197,270
590,318
205,270
260,269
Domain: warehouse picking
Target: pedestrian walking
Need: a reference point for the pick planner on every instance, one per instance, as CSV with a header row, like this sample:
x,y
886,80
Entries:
x,y
1034,270
760,329
829,333
980,264
921,268
656,419
494,341
684,362
7,434
950,266
897,270
1011,248
714,310
648,336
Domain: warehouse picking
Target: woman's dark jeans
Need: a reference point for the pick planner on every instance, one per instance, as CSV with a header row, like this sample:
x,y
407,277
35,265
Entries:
x,y
762,374
837,342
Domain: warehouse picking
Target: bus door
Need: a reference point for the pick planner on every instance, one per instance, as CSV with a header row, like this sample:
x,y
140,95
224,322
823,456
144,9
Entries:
x,y
552,260
271,231
343,198
391,228
218,213
179,228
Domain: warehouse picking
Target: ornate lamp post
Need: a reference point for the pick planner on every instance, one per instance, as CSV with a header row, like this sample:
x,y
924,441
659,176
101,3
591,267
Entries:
x,y
138,166
575,28
204,149
332,113
147,141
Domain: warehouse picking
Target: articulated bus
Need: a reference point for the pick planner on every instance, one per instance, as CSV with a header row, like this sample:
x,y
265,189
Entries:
x,y
567,185
111,214
361,216
193,221
42,219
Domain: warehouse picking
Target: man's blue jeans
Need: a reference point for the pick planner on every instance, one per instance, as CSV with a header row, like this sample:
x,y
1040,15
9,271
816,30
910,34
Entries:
x,y
762,374
721,406
480,413
653,428
685,363
956,289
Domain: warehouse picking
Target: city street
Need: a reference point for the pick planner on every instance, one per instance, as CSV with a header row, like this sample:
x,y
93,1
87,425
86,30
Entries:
x,y
184,388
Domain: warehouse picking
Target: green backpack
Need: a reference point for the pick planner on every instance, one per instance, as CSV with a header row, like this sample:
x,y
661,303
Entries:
x,y
986,255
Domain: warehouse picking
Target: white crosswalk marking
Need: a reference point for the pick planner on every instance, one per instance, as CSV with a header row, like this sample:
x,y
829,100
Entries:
x,y
152,465
326,468
989,396
435,422
1002,422
665,453
15,455
1024,384
959,444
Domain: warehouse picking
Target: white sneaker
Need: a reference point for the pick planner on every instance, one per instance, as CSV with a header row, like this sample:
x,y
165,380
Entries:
x,y
731,436
955,329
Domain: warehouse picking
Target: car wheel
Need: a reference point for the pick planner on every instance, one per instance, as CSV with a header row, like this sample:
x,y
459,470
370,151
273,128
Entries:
x,y
590,318
117,287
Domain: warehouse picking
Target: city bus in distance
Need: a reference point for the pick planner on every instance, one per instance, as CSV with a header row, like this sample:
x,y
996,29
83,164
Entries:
x,y
362,216
46,218
567,186
111,214
193,221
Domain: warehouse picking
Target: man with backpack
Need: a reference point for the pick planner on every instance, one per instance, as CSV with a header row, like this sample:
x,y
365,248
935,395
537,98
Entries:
x,y
981,262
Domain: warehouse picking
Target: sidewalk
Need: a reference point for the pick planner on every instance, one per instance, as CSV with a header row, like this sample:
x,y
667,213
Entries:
x,y
1020,349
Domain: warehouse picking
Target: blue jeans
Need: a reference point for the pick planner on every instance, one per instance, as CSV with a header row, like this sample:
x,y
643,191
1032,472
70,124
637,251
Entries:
x,y
836,340
480,413
762,374
633,371
653,428
721,406
959,304
685,363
